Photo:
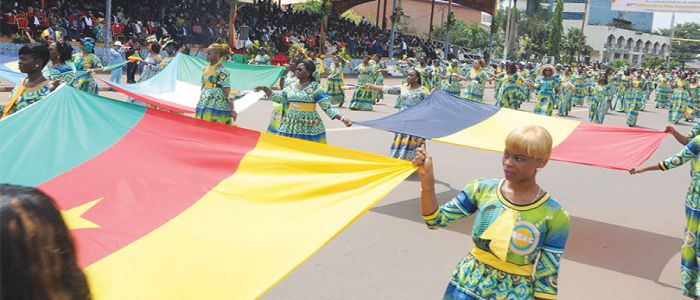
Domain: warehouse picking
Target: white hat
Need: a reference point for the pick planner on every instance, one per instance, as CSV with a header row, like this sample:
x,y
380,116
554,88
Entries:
x,y
118,43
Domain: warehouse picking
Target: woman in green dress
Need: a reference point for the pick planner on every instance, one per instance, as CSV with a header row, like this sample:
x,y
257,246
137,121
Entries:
x,y
334,85
300,119
214,103
380,67
32,59
363,98
663,91
634,99
519,231
409,94
451,83
600,100
476,81
679,100
510,94
86,59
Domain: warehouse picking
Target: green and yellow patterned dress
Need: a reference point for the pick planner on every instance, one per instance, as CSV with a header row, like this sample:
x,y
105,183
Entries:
x,y
363,98
379,80
334,85
546,95
278,109
691,247
599,95
694,104
21,97
621,93
476,82
81,80
510,95
580,89
300,119
213,104
565,94
517,249
634,99
84,63
435,77
404,145
679,101
451,84
663,92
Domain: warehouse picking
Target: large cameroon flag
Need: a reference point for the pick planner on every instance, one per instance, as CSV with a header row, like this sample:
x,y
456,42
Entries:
x,y
163,206
454,120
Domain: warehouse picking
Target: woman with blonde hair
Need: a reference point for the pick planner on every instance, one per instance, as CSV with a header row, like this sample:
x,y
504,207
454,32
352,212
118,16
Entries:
x,y
214,103
519,231
36,249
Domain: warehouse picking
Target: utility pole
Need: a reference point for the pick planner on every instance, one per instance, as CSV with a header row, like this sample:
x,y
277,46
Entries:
x,y
376,21
583,26
447,33
384,17
393,30
670,40
430,31
506,42
108,14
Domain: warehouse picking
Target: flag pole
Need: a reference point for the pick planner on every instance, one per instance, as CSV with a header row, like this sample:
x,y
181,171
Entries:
x,y
231,23
506,42
670,39
393,30
108,14
583,26
447,34
430,31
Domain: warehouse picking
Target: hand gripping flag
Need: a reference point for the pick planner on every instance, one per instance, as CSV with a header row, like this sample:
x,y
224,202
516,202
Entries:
x,y
163,206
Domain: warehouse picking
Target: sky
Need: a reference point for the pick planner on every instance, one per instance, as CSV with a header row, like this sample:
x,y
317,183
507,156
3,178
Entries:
x,y
663,20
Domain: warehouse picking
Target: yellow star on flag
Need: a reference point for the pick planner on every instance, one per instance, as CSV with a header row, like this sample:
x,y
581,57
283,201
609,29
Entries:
x,y
74,219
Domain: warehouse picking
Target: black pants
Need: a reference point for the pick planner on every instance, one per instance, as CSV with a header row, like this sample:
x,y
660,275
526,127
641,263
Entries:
x,y
131,72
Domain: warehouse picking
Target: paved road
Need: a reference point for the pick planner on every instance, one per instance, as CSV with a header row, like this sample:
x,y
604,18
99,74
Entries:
x,y
624,240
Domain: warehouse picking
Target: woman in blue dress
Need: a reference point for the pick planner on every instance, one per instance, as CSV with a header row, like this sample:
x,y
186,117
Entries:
x,y
547,84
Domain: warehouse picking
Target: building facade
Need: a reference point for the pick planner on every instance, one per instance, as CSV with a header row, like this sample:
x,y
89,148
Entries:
x,y
610,42
417,14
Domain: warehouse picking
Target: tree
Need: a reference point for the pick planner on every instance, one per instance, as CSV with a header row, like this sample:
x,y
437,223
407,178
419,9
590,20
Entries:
x,y
618,63
556,31
470,36
682,51
535,28
352,15
312,6
570,45
653,62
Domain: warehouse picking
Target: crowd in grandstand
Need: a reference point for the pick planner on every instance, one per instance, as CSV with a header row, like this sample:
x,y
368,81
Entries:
x,y
201,22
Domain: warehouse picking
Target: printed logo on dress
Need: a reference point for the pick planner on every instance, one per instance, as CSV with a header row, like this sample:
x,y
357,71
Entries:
x,y
689,239
524,239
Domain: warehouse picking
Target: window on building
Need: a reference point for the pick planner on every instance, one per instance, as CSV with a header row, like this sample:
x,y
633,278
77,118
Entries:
x,y
486,19
567,15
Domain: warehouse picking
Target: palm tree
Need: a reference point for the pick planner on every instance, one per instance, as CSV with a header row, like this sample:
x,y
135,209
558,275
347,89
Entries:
x,y
570,43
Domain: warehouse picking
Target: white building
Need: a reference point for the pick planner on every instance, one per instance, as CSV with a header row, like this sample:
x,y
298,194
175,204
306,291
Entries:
x,y
610,43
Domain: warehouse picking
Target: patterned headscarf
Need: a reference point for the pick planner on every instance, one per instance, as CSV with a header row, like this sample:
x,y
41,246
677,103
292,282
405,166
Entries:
x,y
88,44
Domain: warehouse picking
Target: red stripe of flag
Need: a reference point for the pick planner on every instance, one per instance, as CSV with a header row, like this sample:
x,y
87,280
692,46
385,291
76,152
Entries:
x,y
155,172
